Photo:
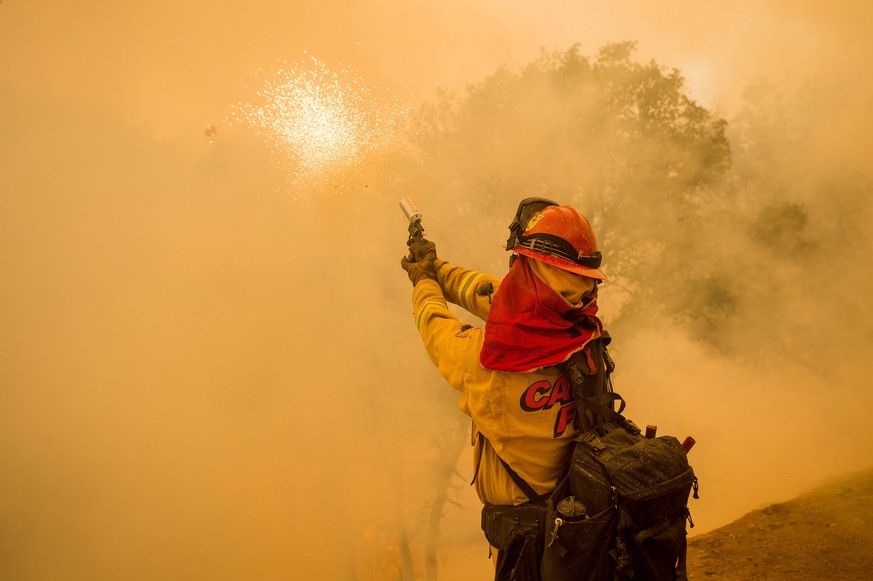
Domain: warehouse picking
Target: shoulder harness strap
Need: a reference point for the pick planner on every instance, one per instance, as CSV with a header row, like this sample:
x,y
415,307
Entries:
x,y
522,484
594,394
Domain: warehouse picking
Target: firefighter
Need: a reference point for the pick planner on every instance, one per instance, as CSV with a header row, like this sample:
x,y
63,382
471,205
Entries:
x,y
523,411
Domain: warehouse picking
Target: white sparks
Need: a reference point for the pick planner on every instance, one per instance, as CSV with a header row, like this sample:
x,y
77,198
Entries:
x,y
319,123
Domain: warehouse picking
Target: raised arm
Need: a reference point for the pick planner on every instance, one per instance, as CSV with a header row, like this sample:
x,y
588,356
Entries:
x,y
469,289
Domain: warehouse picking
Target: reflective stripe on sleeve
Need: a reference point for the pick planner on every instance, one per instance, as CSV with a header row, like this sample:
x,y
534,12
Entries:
x,y
468,286
419,318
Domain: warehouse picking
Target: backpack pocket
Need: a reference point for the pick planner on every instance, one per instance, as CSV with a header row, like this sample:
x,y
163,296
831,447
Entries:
x,y
576,550
660,550
588,480
651,531
650,505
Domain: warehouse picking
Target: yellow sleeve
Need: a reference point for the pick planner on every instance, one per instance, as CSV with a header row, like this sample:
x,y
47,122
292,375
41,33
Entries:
x,y
446,339
466,288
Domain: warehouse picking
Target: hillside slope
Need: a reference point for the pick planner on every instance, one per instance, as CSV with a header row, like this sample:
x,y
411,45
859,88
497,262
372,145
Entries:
x,y
825,534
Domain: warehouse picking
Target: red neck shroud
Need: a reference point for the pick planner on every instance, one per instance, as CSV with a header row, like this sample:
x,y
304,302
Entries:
x,y
531,326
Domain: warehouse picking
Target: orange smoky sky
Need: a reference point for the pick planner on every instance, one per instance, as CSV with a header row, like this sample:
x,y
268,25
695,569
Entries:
x,y
171,65
204,378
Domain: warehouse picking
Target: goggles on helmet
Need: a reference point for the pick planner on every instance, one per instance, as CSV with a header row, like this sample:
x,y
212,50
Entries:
x,y
557,246
526,210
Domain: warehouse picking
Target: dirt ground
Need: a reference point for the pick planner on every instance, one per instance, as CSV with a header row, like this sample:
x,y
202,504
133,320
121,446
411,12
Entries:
x,y
826,534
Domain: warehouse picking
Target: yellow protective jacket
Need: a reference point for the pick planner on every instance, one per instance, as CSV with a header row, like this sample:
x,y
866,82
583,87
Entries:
x,y
526,418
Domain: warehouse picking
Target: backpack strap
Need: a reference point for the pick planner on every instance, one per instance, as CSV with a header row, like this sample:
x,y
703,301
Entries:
x,y
593,392
522,484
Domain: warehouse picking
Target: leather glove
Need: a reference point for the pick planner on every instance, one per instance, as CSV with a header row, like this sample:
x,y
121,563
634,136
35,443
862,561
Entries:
x,y
419,263
424,250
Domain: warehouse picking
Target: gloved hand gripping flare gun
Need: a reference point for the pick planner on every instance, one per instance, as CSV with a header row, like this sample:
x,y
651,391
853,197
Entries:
x,y
413,216
419,262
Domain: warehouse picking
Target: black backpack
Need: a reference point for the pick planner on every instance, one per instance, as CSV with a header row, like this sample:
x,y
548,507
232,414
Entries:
x,y
621,510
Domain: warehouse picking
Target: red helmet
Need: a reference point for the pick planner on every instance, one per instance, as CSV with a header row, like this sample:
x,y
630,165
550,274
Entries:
x,y
556,235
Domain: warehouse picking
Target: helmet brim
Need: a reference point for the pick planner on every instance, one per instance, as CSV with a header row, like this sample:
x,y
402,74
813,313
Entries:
x,y
561,263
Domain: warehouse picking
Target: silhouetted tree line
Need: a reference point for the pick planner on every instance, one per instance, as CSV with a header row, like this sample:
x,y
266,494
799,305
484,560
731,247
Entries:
x,y
709,223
